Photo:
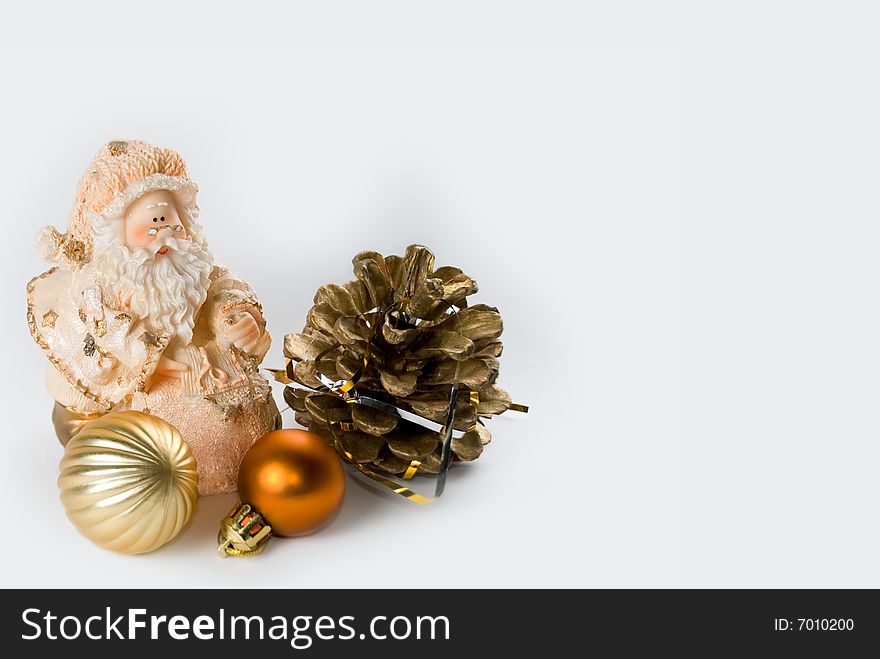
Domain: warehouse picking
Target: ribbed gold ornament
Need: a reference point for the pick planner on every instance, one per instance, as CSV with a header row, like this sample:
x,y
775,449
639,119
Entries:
x,y
128,482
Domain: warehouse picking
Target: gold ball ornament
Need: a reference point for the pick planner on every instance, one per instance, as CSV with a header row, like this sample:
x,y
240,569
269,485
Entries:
x,y
128,482
290,482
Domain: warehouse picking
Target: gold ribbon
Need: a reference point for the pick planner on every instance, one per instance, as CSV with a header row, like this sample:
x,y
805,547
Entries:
x,y
414,465
403,490
342,390
411,470
390,484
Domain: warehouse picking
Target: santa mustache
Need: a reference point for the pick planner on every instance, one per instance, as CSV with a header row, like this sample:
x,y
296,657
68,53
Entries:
x,y
161,246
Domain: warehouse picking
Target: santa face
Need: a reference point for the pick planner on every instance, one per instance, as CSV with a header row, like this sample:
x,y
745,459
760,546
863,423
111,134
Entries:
x,y
149,216
155,263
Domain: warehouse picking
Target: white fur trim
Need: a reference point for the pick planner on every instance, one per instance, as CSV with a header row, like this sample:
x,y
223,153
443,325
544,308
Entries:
x,y
184,189
48,243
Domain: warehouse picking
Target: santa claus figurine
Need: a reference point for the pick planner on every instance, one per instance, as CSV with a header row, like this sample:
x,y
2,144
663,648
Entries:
x,y
136,315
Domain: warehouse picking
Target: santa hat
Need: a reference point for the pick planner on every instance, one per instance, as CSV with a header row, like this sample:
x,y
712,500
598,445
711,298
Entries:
x,y
119,173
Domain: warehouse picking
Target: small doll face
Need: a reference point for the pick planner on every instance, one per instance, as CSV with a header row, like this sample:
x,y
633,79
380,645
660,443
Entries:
x,y
152,216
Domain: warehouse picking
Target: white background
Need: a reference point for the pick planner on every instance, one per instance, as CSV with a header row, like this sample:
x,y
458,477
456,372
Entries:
x,y
674,207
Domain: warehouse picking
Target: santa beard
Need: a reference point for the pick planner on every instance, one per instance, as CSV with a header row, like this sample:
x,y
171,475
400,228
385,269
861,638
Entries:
x,y
167,290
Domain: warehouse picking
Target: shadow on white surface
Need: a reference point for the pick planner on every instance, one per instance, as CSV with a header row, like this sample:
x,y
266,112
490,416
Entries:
x,y
205,523
364,502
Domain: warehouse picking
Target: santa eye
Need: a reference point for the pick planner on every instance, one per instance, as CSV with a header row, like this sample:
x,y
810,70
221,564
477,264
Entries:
x,y
162,219
155,219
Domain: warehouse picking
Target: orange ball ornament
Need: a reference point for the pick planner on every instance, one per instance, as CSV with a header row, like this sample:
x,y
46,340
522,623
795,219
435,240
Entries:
x,y
294,479
289,480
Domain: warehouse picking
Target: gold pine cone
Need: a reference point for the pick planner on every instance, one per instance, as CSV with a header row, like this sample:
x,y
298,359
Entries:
x,y
413,327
